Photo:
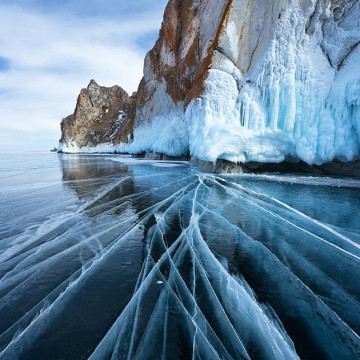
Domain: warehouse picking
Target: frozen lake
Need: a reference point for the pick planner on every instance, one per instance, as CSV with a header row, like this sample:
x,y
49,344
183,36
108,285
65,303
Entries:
x,y
110,257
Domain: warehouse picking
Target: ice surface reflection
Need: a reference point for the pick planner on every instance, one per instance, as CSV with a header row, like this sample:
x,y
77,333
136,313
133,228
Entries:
x,y
109,257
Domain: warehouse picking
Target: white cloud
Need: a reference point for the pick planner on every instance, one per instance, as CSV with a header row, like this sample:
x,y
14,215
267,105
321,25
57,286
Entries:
x,y
52,58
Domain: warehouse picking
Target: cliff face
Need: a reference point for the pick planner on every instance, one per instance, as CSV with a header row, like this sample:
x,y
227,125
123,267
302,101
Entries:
x,y
175,68
280,87
174,74
252,80
270,81
99,117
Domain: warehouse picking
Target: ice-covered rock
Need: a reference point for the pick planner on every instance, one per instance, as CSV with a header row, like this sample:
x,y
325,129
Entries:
x,y
252,80
274,81
280,85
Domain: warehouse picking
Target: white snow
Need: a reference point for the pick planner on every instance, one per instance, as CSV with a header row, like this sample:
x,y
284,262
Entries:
x,y
165,134
72,148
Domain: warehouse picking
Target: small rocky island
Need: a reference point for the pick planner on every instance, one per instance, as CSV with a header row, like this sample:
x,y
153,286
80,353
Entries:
x,y
100,117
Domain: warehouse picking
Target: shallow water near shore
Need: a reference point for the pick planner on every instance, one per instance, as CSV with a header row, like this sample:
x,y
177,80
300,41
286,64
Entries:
x,y
105,256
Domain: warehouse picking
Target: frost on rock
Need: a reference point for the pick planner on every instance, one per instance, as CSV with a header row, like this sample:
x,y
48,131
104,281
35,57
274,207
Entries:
x,y
290,103
248,80
98,119
72,148
283,84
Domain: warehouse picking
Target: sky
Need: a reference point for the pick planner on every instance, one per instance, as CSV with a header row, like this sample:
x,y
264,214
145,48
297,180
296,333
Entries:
x,y
50,49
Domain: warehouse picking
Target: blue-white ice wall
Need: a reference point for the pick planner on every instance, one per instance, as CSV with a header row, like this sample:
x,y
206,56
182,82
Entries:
x,y
300,98
284,84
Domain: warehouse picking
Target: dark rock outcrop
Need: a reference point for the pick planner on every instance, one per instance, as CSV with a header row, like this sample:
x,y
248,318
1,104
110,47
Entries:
x,y
351,168
100,115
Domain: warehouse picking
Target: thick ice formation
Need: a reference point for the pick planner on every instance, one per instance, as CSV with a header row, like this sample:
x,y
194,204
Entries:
x,y
295,94
293,101
73,148
245,80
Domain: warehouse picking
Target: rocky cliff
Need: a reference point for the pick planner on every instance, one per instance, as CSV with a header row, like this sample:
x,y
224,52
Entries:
x,y
251,80
100,117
